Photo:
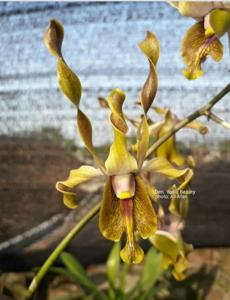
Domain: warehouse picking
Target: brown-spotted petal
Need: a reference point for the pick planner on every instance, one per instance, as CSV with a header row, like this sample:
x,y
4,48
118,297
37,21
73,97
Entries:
x,y
151,49
76,177
196,46
132,252
144,215
110,219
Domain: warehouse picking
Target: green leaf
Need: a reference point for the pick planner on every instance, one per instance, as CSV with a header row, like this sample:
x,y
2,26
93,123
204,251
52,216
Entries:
x,y
65,273
152,269
151,272
113,262
78,271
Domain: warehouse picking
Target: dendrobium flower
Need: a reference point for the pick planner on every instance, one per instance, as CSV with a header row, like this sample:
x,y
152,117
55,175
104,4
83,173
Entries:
x,y
168,149
203,38
174,250
126,206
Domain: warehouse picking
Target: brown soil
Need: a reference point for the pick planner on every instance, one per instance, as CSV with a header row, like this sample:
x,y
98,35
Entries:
x,y
29,170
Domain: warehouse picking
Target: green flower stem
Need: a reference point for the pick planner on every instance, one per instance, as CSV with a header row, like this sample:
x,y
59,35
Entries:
x,y
59,249
200,112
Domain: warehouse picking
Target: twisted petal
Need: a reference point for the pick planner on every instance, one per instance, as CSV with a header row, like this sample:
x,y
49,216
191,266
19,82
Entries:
x,y
68,81
151,49
196,47
110,219
85,130
144,215
53,38
80,175
70,84
161,165
119,161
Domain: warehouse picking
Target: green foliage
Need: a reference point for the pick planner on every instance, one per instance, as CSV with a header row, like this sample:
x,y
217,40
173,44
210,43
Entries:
x,y
77,272
117,277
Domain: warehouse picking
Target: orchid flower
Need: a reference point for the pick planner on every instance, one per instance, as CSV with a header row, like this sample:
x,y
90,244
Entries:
x,y
203,38
169,149
126,206
175,251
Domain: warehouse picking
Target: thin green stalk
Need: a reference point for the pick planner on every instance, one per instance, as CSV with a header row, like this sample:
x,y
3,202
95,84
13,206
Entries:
x,y
59,249
201,111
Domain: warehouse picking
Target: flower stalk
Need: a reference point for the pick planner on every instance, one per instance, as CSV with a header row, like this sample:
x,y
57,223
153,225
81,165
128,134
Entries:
x,y
59,249
198,113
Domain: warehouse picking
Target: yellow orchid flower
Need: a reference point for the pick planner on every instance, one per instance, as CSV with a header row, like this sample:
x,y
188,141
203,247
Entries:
x,y
168,149
174,250
203,38
126,206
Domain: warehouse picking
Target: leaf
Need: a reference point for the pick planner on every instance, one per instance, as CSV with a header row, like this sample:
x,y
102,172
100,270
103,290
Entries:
x,y
78,271
113,263
64,272
152,269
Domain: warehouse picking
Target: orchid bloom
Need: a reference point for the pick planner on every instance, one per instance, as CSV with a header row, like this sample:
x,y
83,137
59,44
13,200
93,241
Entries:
x,y
175,251
203,38
126,206
168,149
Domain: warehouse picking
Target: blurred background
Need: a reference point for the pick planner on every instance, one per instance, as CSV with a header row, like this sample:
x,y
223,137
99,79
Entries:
x,y
38,139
